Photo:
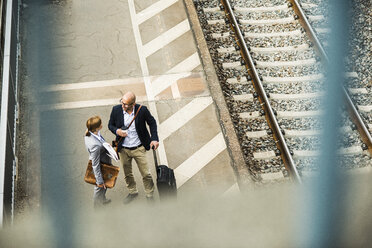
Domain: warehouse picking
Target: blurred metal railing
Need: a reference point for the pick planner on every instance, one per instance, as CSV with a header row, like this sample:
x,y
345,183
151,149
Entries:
x,y
324,203
9,107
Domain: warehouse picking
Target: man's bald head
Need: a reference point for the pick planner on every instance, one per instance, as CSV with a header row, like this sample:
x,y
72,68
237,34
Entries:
x,y
129,96
128,100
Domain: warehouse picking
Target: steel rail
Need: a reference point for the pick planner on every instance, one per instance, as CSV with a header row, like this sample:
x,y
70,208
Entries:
x,y
306,25
363,130
269,112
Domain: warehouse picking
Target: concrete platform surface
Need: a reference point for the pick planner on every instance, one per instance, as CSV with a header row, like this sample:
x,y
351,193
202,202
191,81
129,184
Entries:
x,y
78,58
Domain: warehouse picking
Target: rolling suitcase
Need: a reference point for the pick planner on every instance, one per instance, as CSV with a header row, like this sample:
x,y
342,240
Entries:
x,y
165,181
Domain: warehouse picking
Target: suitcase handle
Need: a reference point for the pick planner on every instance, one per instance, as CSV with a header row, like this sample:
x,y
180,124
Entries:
x,y
155,158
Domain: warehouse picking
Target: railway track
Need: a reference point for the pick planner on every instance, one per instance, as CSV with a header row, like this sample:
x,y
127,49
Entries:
x,y
269,63
359,90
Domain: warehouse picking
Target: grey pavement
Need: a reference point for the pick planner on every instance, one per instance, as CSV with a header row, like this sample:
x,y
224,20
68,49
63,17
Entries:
x,y
78,58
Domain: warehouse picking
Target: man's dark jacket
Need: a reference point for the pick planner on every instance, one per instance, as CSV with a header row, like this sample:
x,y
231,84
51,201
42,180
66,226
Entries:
x,y
144,116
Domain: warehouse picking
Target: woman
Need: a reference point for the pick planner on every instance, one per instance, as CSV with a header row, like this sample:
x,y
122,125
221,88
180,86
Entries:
x,y
97,154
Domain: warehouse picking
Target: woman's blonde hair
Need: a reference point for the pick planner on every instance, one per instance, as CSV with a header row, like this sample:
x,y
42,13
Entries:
x,y
92,124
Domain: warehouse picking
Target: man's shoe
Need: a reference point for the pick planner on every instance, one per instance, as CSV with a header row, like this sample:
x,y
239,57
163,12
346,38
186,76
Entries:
x,y
150,200
129,198
106,201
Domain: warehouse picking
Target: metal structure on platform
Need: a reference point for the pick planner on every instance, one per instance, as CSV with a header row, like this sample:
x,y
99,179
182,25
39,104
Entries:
x,y
9,107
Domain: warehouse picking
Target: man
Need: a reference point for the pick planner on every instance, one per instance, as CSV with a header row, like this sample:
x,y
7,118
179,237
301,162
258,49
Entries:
x,y
136,140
